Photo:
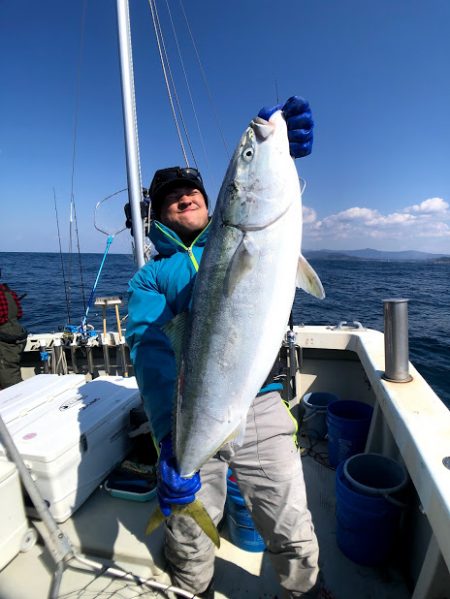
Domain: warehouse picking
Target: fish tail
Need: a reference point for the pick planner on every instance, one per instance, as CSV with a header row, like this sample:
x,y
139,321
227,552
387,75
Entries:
x,y
156,519
195,510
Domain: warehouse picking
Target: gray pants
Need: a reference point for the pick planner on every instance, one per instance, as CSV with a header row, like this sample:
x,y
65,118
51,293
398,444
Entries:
x,y
269,472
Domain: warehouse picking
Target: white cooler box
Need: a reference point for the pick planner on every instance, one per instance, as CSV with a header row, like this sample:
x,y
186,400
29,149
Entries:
x,y
28,396
13,522
74,438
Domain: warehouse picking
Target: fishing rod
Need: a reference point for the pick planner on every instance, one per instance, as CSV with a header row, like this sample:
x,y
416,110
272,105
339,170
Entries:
x,y
293,359
73,223
61,257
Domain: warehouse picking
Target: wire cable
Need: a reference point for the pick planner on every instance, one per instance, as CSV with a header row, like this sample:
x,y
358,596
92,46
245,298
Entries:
x,y
174,88
188,87
205,81
166,79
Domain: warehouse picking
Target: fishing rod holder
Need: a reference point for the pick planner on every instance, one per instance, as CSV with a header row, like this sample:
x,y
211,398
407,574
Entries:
x,y
115,301
104,302
290,356
396,349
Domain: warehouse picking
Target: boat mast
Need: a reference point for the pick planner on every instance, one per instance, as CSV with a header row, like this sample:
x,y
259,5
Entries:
x,y
131,130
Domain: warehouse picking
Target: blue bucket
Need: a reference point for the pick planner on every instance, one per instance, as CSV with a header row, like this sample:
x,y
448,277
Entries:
x,y
240,524
315,405
348,426
367,511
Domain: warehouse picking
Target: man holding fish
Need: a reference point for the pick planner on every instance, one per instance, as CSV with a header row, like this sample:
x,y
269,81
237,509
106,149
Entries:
x,y
207,318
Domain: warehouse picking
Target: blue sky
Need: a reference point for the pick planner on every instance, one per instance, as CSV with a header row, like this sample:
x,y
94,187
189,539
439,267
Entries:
x,y
375,73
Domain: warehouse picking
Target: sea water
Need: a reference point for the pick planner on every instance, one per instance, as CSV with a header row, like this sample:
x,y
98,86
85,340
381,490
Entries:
x,y
355,290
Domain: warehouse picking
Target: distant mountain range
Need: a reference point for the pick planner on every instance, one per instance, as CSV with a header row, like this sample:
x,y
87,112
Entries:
x,y
369,254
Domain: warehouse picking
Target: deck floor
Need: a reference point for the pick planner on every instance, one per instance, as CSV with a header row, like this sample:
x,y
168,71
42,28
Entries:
x,y
343,577
105,527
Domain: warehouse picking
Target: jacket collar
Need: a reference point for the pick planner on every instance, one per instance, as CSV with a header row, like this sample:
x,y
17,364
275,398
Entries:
x,y
168,242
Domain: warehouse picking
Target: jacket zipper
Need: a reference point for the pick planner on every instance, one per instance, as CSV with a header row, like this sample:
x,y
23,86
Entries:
x,y
189,249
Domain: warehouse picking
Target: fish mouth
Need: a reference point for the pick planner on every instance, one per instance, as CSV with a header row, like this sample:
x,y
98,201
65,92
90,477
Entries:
x,y
262,128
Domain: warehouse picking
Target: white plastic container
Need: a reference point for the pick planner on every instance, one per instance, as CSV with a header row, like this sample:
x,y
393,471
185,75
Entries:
x,y
74,439
29,395
13,522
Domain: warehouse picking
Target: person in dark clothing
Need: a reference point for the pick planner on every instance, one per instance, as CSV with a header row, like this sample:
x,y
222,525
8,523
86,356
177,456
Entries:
x,y
12,336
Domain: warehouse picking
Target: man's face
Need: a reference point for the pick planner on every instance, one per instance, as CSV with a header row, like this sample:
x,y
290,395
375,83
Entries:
x,y
184,211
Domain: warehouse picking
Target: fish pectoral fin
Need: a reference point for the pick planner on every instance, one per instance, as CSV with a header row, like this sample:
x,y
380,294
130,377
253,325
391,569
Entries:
x,y
196,510
308,279
238,435
242,262
174,330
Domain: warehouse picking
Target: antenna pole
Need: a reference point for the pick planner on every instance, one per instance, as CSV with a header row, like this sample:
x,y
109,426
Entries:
x,y
131,131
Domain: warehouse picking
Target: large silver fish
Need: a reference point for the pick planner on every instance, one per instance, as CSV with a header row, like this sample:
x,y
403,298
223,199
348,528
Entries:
x,y
243,293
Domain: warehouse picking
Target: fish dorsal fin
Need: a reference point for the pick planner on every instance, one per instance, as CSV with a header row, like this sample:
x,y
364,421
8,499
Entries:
x,y
175,330
308,279
242,262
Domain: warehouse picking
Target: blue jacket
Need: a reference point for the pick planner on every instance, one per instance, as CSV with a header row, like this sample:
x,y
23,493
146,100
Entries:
x,y
157,293
160,290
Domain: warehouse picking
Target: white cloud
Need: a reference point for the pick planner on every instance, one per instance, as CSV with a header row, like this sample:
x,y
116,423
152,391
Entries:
x,y
430,218
357,213
309,215
430,206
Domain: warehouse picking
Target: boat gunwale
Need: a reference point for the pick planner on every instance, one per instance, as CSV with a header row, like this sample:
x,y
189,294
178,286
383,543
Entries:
x,y
417,418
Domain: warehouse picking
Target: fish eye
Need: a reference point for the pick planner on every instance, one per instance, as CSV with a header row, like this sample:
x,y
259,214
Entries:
x,y
247,153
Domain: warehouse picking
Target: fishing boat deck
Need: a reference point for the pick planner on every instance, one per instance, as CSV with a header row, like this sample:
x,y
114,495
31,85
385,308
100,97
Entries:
x,y
343,577
410,424
109,528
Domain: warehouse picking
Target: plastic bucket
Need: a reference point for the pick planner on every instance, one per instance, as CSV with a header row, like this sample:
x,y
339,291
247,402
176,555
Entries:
x,y
240,524
367,522
348,425
375,474
315,405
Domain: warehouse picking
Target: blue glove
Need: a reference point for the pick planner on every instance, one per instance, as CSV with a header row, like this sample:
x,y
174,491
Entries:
x,y
172,488
297,114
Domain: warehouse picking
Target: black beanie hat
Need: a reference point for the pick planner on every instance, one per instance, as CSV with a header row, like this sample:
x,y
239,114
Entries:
x,y
166,179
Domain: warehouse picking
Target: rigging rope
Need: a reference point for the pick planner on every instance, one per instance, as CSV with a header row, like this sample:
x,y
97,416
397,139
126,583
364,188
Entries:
x,y
180,57
205,82
174,87
158,34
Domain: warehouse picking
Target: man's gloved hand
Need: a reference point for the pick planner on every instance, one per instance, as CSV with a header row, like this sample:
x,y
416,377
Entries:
x,y
297,114
172,488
